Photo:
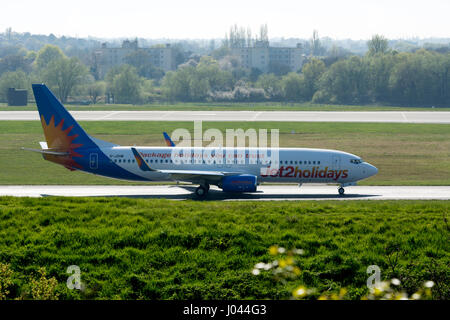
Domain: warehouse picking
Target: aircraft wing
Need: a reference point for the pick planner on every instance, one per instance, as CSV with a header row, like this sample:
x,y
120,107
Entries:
x,y
198,175
185,175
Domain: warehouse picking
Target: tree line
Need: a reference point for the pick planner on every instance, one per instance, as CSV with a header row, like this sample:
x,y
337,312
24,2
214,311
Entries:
x,y
381,76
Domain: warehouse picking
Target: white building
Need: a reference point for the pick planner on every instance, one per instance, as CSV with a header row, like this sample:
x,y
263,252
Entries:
x,y
265,58
161,57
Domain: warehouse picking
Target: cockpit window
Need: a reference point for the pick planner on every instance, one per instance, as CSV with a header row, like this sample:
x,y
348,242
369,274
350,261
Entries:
x,y
356,161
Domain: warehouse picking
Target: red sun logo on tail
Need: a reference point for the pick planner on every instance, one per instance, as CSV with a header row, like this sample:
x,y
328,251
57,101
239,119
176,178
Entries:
x,y
59,140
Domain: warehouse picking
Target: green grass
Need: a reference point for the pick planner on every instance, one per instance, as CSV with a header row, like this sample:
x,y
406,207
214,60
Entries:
x,y
405,154
214,106
159,249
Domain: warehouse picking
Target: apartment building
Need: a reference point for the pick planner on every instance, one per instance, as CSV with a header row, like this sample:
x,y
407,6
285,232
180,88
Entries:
x,y
105,58
264,57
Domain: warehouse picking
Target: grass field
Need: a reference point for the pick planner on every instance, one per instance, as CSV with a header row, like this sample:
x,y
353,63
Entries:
x,y
405,154
159,249
259,106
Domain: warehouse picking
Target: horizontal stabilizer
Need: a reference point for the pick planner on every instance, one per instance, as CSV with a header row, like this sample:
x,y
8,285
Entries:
x,y
47,151
43,145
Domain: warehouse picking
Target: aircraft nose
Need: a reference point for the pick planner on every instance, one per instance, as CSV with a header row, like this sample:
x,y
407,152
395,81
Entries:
x,y
371,170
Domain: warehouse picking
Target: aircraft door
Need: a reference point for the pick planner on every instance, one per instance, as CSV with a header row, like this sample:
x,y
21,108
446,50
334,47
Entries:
x,y
93,161
335,162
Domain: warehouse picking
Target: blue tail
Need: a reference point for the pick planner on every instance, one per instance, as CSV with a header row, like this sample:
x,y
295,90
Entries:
x,y
169,141
61,130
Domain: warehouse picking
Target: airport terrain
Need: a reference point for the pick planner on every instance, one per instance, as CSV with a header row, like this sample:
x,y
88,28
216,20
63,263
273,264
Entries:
x,y
406,154
253,116
215,106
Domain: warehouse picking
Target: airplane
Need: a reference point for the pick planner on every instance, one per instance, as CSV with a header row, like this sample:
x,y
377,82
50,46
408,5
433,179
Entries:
x,y
69,145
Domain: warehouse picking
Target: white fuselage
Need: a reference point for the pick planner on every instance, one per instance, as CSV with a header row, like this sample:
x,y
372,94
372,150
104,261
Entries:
x,y
298,165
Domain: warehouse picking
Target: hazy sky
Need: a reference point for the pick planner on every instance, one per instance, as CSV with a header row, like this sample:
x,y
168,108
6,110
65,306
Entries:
x,y
195,19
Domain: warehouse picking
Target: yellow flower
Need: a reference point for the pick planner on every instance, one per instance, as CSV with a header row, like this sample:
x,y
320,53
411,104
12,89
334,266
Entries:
x,y
289,261
282,263
297,270
299,292
273,250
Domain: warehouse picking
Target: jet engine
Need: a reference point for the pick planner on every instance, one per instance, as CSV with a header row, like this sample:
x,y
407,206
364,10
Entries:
x,y
239,183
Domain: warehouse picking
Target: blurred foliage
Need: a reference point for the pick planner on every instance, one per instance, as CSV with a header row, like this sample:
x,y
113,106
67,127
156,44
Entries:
x,y
286,268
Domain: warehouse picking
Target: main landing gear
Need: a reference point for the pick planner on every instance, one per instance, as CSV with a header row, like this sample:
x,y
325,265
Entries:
x,y
341,191
202,190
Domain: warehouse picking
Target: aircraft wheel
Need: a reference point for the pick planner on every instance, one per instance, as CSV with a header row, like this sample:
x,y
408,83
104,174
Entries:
x,y
341,191
201,191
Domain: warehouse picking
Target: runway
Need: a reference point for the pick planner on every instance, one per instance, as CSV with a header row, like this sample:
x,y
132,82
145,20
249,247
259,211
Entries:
x,y
265,192
292,116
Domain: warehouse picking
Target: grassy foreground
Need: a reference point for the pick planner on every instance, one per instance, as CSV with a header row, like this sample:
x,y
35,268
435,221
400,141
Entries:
x,y
157,249
405,154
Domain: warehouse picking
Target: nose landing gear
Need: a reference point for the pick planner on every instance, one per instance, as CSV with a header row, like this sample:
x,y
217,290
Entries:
x,y
342,186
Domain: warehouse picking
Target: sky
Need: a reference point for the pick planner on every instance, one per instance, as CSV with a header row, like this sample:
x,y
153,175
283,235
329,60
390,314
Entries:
x,y
207,19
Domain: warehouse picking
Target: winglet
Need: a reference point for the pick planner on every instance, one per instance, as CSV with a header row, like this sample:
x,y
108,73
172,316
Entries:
x,y
169,141
140,161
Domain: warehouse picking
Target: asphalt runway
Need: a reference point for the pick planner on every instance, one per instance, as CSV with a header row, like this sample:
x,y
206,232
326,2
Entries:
x,y
265,192
293,116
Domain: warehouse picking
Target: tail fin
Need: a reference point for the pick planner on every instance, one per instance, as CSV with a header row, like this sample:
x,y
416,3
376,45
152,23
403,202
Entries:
x,y
61,130
169,141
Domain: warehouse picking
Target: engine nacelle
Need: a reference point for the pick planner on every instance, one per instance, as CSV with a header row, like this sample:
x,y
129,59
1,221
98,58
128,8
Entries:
x,y
239,183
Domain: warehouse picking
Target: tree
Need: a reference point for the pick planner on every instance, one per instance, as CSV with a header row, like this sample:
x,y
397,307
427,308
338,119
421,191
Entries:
x,y
96,90
380,68
126,85
271,85
312,71
48,54
316,46
193,82
420,78
377,45
278,68
63,75
293,86
15,62
346,81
